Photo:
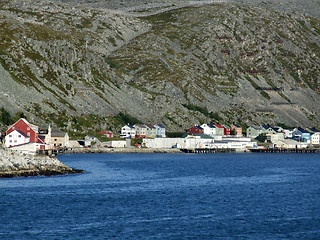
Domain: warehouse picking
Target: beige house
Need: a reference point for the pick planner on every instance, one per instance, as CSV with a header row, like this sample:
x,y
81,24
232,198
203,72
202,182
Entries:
x,y
237,129
57,139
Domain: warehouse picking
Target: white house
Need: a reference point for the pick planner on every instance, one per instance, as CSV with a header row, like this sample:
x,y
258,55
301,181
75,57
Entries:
x,y
128,131
315,138
275,137
88,140
16,137
160,130
209,129
287,133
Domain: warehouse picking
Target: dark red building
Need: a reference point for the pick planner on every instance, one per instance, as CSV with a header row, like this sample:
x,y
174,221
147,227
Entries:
x,y
195,130
28,129
227,130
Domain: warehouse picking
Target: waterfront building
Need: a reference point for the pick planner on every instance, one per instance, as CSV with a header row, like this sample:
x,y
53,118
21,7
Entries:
x,y
24,136
56,139
209,129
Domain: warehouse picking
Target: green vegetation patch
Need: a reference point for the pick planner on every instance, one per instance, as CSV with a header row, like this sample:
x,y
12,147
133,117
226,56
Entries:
x,y
126,118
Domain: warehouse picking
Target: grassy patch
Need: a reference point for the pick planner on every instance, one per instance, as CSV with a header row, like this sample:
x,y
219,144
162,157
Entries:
x,y
126,118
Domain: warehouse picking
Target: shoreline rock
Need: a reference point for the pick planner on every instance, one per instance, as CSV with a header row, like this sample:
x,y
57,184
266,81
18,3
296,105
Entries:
x,y
15,164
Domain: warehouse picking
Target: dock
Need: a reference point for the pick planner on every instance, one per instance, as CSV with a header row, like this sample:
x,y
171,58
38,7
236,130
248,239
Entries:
x,y
285,150
207,150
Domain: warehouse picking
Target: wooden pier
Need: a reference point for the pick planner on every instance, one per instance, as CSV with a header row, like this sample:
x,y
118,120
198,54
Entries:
x,y
207,150
285,150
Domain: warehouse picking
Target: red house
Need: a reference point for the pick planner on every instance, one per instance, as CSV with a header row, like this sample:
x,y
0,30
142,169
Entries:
x,y
227,130
195,130
108,134
26,129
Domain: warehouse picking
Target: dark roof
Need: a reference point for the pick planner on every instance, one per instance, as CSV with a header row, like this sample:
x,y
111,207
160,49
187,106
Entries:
x,y
265,126
236,125
313,129
211,125
149,125
160,125
303,130
22,133
200,128
277,129
58,134
140,125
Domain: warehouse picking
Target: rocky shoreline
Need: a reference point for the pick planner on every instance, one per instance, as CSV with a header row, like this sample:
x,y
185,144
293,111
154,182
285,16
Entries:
x,y
14,164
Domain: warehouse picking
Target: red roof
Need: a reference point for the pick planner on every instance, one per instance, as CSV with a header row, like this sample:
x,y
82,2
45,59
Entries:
x,y
103,132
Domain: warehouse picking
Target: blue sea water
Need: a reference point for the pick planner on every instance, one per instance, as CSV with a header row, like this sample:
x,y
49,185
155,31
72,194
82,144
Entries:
x,y
168,196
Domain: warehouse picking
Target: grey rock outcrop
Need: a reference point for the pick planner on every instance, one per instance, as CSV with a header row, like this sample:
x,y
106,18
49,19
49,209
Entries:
x,y
14,164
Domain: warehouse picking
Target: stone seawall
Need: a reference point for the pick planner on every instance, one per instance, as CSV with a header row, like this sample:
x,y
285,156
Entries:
x,y
14,164
123,150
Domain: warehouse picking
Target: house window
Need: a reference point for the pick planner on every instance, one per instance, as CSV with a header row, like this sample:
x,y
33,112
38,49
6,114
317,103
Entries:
x,y
10,141
15,141
55,139
10,135
28,128
28,134
19,136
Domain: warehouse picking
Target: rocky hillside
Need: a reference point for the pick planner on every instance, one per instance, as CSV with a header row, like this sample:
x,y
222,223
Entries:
x,y
227,61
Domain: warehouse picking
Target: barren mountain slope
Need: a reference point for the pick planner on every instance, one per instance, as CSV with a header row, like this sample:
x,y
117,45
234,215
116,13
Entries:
x,y
185,66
